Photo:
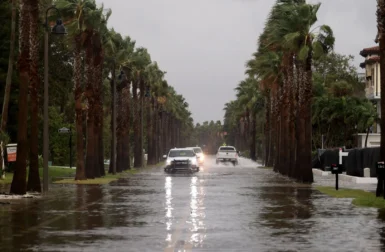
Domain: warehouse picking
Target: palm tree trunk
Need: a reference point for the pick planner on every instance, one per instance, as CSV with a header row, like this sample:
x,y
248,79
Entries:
x,y
366,138
155,135
129,115
112,123
98,109
90,95
119,128
253,139
273,132
278,109
305,95
101,127
267,131
8,82
291,116
19,185
4,114
150,125
33,176
124,142
78,93
137,139
162,150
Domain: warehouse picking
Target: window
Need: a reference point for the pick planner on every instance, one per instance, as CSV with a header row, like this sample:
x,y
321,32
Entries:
x,y
227,149
181,153
372,81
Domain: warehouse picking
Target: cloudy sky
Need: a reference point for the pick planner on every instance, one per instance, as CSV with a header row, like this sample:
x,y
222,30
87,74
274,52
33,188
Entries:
x,y
204,44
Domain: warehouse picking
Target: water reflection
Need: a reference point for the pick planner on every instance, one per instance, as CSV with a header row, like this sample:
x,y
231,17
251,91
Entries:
x,y
193,216
197,212
15,225
94,203
169,208
381,229
289,208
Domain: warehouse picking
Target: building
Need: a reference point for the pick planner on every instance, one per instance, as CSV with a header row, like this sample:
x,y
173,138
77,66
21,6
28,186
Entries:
x,y
372,79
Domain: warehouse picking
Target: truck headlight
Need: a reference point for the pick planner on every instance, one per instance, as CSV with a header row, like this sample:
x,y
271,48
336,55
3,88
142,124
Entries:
x,y
193,161
168,161
201,157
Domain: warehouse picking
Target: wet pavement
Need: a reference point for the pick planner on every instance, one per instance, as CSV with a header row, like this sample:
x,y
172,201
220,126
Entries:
x,y
221,208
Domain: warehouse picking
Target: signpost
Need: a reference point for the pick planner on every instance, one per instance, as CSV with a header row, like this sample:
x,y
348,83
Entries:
x,y
65,130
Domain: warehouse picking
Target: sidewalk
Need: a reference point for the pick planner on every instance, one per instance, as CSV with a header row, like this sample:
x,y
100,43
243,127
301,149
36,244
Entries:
x,y
321,179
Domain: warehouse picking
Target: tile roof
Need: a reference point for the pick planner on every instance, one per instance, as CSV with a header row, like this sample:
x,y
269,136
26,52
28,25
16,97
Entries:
x,y
370,50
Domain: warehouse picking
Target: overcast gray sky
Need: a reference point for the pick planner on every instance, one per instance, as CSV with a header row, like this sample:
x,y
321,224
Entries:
x,y
204,44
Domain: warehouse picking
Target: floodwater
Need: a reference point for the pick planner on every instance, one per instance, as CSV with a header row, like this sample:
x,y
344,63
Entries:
x,y
221,208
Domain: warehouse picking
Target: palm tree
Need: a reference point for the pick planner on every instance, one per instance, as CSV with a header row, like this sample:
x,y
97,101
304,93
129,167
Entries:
x,y
19,185
93,67
78,12
4,114
8,82
141,60
267,66
33,176
247,94
153,80
301,40
99,40
119,55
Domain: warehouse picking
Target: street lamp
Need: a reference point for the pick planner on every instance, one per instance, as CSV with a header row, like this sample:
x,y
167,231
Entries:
x,y
58,29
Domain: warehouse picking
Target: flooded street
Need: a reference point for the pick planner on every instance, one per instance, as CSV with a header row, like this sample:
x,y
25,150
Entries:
x,y
221,208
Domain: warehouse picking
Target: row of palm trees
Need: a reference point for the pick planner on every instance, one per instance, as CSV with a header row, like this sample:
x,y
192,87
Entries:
x,y
209,135
280,72
244,118
146,104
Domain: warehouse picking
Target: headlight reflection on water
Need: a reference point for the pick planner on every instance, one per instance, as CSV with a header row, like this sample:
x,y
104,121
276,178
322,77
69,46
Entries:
x,y
197,216
168,188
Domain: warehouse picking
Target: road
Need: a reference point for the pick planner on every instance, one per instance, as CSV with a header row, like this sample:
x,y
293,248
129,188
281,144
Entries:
x,y
221,208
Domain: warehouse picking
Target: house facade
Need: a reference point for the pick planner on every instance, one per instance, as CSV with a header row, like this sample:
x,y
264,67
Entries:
x,y
371,77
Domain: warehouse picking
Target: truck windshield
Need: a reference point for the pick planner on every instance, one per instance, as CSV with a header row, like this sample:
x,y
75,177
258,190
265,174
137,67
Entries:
x,y
181,153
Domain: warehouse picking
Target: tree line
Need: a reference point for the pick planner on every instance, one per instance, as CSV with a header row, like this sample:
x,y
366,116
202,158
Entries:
x,y
86,65
296,90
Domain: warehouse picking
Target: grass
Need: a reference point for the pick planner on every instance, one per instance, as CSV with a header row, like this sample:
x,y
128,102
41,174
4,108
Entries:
x,y
97,181
53,172
8,179
62,175
360,198
106,179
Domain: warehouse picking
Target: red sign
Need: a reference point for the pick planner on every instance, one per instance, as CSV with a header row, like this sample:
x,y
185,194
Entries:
x,y
11,153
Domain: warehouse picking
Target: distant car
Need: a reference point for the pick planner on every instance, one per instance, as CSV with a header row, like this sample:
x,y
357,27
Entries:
x,y
227,154
181,159
198,151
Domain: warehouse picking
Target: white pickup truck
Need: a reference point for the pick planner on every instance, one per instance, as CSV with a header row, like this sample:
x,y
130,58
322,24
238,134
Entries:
x,y
227,154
